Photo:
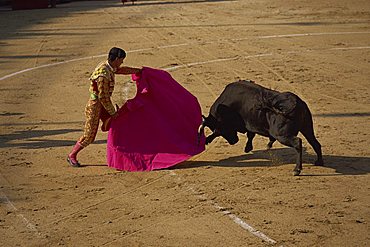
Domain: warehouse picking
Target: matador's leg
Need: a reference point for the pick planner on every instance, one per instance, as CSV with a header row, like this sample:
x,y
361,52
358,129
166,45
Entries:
x,y
92,112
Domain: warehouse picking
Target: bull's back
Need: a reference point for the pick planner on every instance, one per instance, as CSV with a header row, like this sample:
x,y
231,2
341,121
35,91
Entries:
x,y
244,97
236,95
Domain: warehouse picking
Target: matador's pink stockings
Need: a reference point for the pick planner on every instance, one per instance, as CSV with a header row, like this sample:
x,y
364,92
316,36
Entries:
x,y
72,157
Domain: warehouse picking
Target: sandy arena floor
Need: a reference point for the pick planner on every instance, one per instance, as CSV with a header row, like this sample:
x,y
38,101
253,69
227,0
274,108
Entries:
x,y
318,49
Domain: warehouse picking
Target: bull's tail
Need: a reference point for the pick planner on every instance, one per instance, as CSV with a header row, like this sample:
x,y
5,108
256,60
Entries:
x,y
305,116
307,130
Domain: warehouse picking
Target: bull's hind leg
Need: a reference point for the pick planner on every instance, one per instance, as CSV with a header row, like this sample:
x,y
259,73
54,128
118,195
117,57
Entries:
x,y
271,142
249,145
308,133
296,143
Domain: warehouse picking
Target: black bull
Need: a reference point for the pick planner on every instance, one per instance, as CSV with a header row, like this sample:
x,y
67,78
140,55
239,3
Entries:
x,y
246,107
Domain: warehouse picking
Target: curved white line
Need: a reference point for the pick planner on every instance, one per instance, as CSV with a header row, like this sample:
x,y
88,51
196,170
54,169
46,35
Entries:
x,y
63,62
351,48
47,65
183,44
308,34
215,61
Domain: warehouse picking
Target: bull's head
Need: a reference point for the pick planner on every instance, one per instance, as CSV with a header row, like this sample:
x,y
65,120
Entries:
x,y
224,124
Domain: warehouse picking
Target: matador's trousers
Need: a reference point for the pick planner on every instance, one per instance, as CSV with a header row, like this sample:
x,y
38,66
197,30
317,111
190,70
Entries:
x,y
94,112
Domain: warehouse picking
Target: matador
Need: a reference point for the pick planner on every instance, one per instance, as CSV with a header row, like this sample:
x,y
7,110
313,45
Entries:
x,y
100,106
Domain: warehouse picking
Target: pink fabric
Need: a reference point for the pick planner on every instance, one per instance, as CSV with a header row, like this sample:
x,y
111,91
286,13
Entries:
x,y
156,129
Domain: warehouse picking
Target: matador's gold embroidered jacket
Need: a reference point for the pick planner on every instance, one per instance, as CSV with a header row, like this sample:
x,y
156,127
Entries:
x,y
102,86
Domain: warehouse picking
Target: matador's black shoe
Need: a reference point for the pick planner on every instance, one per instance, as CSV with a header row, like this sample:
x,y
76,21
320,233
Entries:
x,y
73,162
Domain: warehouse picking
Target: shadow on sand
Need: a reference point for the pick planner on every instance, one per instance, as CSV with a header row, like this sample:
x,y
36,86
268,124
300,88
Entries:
x,y
35,139
343,165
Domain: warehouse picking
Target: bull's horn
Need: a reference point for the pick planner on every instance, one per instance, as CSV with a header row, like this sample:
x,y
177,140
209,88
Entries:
x,y
201,128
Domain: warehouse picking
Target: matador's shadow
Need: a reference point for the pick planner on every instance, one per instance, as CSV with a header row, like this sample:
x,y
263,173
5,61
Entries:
x,y
343,165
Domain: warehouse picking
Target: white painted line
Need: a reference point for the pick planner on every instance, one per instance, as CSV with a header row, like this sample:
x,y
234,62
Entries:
x,y
12,208
245,225
200,63
215,61
351,48
249,228
48,65
63,62
297,35
77,59
138,50
232,216
170,46
308,34
182,44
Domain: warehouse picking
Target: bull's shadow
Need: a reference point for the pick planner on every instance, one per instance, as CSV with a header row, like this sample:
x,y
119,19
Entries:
x,y
342,165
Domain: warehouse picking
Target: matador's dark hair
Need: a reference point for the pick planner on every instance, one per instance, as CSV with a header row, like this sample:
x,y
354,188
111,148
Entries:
x,y
116,52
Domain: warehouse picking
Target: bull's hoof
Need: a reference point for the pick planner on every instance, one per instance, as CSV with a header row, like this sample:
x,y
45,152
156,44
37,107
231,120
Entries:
x,y
319,163
269,146
296,172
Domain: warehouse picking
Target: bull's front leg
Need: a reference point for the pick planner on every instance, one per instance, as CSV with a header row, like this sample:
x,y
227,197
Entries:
x,y
249,145
211,137
271,142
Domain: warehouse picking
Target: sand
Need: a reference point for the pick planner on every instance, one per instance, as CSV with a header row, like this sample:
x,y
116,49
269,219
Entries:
x,y
222,197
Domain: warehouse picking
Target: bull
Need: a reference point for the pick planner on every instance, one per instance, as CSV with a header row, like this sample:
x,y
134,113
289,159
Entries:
x,y
248,108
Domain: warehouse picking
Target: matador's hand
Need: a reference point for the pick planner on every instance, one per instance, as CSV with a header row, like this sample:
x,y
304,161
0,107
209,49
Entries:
x,y
115,115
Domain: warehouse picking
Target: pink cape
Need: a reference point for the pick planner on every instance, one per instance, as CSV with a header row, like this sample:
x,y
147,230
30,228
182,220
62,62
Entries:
x,y
156,129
